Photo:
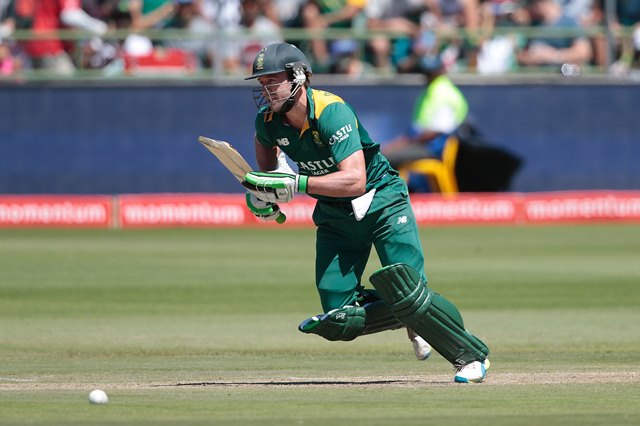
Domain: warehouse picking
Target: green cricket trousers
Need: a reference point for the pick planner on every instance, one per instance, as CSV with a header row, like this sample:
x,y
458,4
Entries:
x,y
343,245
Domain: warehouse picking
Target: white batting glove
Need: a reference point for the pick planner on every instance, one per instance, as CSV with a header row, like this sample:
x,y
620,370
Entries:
x,y
283,166
275,187
261,209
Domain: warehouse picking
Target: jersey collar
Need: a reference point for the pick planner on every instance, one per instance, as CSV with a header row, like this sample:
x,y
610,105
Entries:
x,y
311,113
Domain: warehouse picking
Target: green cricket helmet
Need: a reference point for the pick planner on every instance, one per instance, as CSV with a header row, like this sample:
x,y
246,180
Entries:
x,y
280,57
273,59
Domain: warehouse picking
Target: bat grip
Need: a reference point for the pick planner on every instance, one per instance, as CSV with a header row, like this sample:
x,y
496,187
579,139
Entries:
x,y
281,218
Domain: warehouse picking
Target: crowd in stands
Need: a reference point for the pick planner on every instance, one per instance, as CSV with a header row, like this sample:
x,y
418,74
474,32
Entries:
x,y
477,36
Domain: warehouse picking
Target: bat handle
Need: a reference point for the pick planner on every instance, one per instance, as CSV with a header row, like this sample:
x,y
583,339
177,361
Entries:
x,y
281,218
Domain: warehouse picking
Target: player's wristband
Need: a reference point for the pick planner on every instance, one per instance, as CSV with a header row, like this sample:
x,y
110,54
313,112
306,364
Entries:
x,y
301,183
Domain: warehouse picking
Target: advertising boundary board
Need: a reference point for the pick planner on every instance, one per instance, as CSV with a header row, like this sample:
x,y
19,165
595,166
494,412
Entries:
x,y
229,210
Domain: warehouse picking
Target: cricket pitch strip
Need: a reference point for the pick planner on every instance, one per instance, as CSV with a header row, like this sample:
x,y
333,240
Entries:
x,y
493,379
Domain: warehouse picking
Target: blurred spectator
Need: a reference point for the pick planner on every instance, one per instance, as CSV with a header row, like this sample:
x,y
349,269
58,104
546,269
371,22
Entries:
x,y
554,50
425,44
604,52
502,13
222,13
10,61
241,30
635,60
288,12
497,53
441,109
318,15
147,14
628,12
578,10
625,51
441,117
225,16
98,9
50,15
262,31
188,16
400,16
118,16
7,23
454,15
347,59
98,55
137,53
585,13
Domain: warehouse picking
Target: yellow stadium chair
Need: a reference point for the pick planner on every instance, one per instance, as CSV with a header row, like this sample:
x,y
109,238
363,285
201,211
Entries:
x,y
440,173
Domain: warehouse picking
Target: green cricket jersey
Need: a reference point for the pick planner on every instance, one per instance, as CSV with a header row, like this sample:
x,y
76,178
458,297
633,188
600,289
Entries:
x,y
331,133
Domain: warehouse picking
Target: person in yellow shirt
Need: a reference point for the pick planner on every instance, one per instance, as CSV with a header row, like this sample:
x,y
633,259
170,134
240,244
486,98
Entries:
x,y
441,112
438,113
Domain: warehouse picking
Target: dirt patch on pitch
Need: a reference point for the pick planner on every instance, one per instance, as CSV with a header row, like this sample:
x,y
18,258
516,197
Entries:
x,y
493,379
498,379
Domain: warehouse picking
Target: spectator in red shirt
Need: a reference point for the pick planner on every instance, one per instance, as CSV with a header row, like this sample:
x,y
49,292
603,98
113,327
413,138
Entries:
x,y
53,15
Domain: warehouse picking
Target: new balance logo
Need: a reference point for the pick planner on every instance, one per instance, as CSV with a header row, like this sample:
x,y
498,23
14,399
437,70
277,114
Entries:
x,y
341,316
283,141
402,219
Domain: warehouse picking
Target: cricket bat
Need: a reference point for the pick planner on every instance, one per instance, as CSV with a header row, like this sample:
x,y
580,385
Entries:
x,y
232,160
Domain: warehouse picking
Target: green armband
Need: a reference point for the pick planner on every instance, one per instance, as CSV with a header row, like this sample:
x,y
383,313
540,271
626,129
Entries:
x,y
302,183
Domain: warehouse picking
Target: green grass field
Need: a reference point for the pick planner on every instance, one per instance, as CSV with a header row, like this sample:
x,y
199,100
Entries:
x,y
188,326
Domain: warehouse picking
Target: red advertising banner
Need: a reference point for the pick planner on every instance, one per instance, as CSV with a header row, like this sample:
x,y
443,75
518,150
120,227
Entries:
x,y
432,209
209,210
56,211
581,206
201,210
162,210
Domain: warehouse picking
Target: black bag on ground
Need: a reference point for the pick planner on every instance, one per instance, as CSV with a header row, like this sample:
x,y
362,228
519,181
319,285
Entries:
x,y
482,167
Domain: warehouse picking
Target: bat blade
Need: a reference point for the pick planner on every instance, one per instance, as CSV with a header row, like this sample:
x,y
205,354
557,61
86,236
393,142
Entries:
x,y
228,156
232,160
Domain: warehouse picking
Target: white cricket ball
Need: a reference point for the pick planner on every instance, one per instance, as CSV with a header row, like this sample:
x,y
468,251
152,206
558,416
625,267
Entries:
x,y
98,397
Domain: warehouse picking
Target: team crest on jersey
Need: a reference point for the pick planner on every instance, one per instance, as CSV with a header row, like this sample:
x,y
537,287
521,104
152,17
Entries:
x,y
282,141
316,137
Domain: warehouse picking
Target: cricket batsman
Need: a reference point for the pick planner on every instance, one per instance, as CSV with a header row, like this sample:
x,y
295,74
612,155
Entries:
x,y
361,203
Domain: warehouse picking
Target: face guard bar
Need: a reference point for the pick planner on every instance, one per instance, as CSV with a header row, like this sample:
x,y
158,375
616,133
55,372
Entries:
x,y
275,98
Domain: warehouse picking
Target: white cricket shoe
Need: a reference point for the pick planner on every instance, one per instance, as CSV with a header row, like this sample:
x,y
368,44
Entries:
x,y
420,346
473,372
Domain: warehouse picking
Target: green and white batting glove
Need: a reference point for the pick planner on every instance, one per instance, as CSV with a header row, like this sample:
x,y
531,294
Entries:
x,y
261,209
275,187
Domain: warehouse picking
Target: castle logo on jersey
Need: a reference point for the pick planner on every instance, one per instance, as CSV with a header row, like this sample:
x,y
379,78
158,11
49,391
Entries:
x,y
341,134
318,167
